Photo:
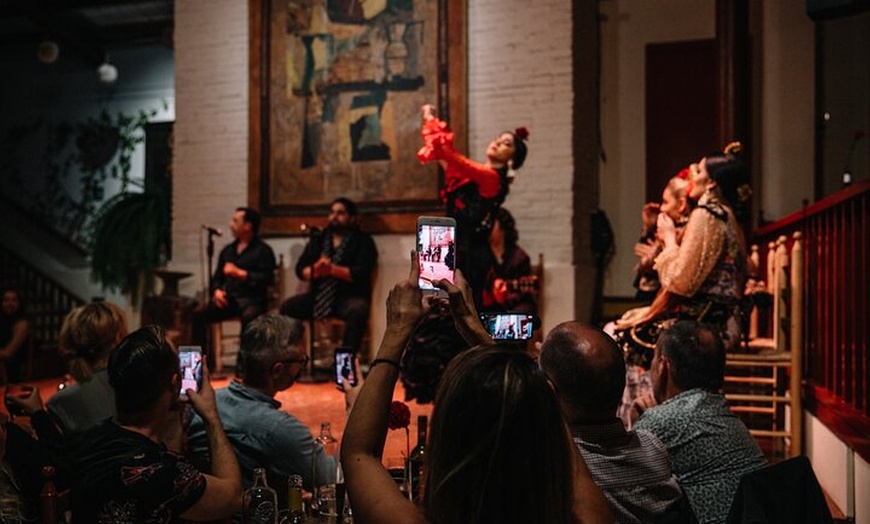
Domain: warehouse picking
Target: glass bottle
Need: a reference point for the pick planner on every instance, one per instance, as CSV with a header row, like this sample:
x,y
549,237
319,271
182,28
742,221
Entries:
x,y
325,481
295,513
260,501
417,460
347,511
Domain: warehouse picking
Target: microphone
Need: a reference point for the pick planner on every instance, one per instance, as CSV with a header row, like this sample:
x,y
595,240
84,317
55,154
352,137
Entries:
x,y
307,228
212,230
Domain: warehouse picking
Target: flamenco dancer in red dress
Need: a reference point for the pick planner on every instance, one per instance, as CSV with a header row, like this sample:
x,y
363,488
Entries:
x,y
473,191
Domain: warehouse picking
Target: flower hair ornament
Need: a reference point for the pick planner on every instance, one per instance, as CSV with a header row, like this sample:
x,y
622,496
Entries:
x,y
744,192
733,148
522,133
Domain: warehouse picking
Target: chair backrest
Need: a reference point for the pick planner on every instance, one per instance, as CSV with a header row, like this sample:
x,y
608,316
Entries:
x,y
784,493
54,505
276,292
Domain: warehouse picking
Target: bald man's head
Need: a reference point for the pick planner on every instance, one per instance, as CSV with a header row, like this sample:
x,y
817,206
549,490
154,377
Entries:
x,y
587,367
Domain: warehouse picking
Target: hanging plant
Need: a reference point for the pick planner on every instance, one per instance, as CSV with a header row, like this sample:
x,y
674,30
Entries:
x,y
128,242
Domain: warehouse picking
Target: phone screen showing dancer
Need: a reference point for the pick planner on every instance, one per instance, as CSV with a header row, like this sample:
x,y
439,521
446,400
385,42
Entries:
x,y
344,369
508,326
190,360
436,250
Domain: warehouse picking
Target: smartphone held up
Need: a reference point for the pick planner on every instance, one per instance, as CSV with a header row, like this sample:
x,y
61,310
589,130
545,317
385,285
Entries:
x,y
344,366
436,251
509,326
190,367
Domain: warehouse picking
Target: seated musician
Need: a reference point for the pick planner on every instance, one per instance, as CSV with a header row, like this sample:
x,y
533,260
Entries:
x,y
501,272
339,263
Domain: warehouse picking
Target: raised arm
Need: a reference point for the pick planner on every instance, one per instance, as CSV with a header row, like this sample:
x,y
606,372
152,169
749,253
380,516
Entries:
x,y
375,496
223,491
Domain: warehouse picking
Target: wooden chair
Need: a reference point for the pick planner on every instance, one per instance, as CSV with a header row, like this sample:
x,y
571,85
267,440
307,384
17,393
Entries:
x,y
322,336
54,505
761,381
227,333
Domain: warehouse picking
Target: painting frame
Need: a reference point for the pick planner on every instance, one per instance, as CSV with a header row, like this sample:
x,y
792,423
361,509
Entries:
x,y
375,216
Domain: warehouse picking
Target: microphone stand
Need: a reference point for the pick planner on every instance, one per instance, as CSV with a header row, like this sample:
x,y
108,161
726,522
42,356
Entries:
x,y
309,376
209,255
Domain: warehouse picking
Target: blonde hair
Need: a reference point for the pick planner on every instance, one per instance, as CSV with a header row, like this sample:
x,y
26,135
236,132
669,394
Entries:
x,y
678,187
88,335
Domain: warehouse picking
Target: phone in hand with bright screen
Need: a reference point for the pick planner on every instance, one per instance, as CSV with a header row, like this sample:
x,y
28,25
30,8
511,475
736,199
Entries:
x,y
508,326
436,251
190,367
344,369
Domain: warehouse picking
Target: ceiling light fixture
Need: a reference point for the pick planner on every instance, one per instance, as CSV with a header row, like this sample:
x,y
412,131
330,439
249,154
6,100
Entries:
x,y
107,73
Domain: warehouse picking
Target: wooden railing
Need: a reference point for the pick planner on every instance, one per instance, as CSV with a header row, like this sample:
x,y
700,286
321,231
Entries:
x,y
46,303
836,361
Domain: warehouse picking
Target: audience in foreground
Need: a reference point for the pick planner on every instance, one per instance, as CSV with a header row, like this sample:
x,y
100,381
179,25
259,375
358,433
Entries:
x,y
710,447
262,435
130,470
498,451
88,334
631,467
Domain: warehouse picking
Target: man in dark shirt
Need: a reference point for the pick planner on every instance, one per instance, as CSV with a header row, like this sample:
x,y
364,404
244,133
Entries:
x,y
244,271
339,263
126,470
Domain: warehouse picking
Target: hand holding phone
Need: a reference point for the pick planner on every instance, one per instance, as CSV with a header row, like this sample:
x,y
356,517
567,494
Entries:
x,y
190,368
508,326
436,251
345,371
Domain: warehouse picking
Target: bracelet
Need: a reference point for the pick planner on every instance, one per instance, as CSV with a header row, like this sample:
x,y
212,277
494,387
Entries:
x,y
377,361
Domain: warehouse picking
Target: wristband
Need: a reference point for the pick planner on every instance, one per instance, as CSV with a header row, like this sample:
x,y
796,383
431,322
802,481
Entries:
x,y
377,361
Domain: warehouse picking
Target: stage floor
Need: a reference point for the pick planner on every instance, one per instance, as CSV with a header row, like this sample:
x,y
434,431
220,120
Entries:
x,y
313,403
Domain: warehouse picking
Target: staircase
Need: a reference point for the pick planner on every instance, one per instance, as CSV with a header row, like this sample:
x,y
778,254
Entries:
x,y
46,303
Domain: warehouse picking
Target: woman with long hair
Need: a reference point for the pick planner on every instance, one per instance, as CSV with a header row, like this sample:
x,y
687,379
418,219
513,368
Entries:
x,y
498,448
703,275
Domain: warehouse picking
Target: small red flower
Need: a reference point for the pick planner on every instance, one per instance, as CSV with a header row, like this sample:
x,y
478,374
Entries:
x,y
684,173
400,415
522,133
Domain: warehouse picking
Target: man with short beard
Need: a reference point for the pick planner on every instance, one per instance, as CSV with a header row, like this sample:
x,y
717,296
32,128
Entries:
x,y
339,263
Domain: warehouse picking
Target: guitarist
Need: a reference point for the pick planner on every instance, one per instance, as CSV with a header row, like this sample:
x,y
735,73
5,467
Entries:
x,y
501,271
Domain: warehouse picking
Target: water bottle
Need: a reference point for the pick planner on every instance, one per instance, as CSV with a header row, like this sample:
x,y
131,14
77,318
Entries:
x,y
325,482
260,501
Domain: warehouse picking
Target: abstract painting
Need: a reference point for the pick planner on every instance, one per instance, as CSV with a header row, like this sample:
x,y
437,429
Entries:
x,y
336,90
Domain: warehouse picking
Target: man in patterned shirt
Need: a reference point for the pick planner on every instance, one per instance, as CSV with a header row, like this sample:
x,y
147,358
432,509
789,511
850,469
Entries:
x,y
632,468
710,447
126,471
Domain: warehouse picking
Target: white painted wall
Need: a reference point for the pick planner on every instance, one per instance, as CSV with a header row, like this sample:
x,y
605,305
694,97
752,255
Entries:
x,y
627,27
787,111
843,474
